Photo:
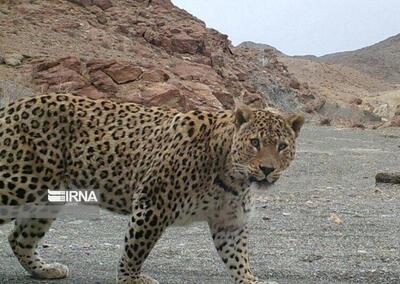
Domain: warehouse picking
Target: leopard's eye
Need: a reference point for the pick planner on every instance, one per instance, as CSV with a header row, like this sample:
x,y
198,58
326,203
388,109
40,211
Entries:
x,y
255,142
282,146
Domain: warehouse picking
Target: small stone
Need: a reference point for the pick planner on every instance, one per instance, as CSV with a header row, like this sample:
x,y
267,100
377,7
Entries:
x,y
335,219
13,59
103,4
356,101
102,19
83,3
76,222
325,122
311,258
123,29
393,178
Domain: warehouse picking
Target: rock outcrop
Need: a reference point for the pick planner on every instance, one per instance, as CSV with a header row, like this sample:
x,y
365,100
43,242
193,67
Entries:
x,y
144,51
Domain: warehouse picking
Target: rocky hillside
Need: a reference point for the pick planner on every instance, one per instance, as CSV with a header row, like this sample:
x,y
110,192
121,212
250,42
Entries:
x,y
144,51
380,61
368,77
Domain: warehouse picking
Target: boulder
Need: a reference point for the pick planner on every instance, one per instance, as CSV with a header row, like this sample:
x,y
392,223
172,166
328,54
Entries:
x,y
156,75
225,98
183,43
199,96
123,73
91,92
159,94
103,82
59,76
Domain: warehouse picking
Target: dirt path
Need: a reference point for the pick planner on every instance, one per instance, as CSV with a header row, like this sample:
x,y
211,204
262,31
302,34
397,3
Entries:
x,y
293,239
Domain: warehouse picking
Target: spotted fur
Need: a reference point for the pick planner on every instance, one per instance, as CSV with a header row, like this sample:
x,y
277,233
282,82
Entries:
x,y
161,167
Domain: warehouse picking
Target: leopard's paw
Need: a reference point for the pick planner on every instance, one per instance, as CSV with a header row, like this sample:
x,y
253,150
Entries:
x,y
51,271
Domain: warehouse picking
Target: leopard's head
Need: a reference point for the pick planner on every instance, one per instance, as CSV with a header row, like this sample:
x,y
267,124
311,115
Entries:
x,y
263,144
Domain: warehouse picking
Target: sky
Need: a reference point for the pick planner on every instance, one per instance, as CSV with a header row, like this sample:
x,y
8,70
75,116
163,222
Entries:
x,y
299,27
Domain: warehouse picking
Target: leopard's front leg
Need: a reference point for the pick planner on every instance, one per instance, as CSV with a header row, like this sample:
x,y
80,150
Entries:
x,y
145,228
231,244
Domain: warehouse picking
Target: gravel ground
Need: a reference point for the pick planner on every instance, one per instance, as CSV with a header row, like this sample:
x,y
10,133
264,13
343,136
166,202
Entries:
x,y
295,238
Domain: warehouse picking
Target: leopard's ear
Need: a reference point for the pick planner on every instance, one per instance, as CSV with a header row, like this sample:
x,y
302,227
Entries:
x,y
243,114
295,121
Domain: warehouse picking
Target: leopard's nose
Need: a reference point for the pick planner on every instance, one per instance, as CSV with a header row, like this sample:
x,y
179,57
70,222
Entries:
x,y
266,170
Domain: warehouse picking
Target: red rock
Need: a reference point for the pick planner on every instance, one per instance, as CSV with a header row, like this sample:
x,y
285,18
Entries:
x,y
183,43
83,3
103,4
255,100
155,76
71,62
98,64
161,94
91,92
58,78
199,96
103,82
196,72
162,3
44,66
186,65
225,99
123,73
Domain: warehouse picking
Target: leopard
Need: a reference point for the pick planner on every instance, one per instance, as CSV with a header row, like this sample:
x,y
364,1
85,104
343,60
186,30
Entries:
x,y
159,166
